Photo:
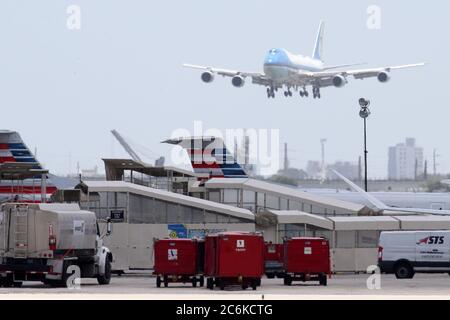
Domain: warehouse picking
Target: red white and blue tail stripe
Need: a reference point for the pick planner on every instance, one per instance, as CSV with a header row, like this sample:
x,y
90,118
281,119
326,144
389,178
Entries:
x,y
14,150
209,155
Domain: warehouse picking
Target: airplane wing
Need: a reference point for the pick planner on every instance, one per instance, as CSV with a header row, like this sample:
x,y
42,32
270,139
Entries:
x,y
257,78
325,76
383,207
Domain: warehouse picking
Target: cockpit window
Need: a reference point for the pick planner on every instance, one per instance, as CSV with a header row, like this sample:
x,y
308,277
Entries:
x,y
273,51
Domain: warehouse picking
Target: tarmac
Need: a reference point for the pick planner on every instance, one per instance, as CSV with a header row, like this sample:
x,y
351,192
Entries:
x,y
143,286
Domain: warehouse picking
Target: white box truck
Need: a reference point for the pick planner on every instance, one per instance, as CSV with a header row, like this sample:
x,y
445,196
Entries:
x,y
404,253
50,243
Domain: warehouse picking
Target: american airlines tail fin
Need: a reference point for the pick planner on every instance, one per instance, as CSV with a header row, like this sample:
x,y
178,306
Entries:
x,y
318,47
13,149
210,155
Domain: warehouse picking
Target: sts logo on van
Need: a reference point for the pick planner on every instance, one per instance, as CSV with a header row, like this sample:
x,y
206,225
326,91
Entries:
x,y
431,240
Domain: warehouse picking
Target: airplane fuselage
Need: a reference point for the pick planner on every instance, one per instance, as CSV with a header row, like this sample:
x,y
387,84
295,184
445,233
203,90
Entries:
x,y
283,69
280,64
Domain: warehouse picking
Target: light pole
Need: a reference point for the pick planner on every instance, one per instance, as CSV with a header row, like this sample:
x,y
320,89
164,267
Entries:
x,y
365,113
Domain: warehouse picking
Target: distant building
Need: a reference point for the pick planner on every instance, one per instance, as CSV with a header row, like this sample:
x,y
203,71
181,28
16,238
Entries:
x,y
293,173
348,169
405,161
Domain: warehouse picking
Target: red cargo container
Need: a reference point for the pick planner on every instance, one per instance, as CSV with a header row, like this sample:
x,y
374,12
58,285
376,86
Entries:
x,y
178,260
234,258
306,259
273,260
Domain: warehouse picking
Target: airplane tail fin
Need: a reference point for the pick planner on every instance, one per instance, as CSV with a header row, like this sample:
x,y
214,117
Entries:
x,y
13,149
318,47
209,155
374,201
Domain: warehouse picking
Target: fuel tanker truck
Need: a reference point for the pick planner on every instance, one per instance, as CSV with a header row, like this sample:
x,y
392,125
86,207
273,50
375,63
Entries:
x,y
55,243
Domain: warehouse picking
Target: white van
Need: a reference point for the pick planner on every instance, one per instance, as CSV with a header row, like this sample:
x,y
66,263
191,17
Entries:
x,y
406,252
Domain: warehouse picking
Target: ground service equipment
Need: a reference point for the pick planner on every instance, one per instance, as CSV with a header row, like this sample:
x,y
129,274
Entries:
x,y
234,258
406,252
306,259
273,260
179,260
52,243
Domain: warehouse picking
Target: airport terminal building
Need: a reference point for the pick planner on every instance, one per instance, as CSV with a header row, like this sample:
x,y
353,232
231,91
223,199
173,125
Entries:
x,y
151,202
140,214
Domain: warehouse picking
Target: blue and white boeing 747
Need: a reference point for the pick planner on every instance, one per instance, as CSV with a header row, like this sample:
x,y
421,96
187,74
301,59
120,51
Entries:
x,y
295,72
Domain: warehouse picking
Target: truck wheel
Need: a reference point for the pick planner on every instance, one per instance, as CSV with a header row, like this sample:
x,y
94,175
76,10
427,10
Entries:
x,y
194,282
202,281
323,279
105,278
287,280
158,282
254,284
270,275
65,276
166,281
210,283
404,270
17,284
220,283
8,282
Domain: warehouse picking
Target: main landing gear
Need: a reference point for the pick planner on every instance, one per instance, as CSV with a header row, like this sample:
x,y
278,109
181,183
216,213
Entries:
x,y
316,93
304,93
288,93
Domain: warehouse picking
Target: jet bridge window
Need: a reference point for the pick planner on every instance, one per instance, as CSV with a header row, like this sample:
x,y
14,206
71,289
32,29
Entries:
x,y
210,217
346,239
368,239
197,215
160,211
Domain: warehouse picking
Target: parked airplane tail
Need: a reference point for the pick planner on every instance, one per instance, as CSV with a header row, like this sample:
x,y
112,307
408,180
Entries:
x,y
210,155
318,47
13,150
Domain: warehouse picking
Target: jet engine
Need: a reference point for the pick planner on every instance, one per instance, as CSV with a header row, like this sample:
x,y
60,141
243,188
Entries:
x,y
383,77
238,81
339,81
207,77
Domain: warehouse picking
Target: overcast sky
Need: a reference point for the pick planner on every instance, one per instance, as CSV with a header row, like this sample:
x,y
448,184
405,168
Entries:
x,y
64,90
